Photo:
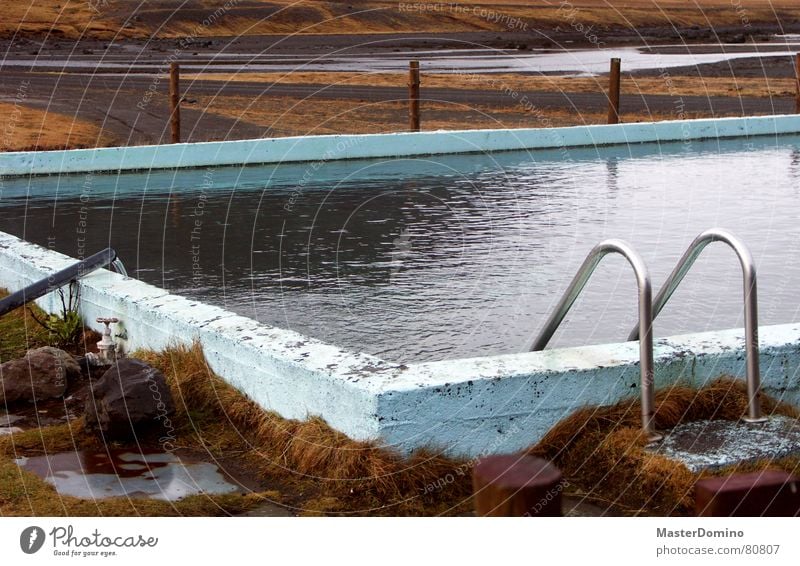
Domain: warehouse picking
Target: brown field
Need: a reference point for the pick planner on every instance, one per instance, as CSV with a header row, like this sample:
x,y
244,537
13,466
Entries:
x,y
677,85
295,116
106,19
26,128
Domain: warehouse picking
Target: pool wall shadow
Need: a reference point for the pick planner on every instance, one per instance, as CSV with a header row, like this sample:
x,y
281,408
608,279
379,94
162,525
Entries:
x,y
324,148
466,407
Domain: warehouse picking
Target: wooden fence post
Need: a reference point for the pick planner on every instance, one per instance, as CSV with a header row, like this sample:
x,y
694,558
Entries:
x,y
771,493
517,486
797,81
613,92
413,96
175,102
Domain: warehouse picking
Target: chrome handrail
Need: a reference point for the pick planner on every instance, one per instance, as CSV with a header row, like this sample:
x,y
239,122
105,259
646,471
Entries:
x,y
750,306
645,319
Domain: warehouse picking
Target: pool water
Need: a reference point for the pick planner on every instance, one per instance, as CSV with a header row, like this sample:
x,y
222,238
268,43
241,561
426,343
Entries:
x,y
446,256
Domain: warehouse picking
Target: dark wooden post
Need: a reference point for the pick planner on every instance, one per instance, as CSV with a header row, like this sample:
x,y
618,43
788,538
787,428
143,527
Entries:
x,y
175,102
613,92
413,96
797,81
770,493
517,486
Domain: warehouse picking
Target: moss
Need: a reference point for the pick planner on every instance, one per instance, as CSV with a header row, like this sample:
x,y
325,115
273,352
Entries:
x,y
19,332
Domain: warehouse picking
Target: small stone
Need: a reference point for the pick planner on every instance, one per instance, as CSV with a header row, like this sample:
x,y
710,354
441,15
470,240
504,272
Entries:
x,y
42,374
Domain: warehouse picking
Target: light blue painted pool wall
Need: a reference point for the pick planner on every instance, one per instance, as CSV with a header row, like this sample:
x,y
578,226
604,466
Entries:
x,y
336,147
466,407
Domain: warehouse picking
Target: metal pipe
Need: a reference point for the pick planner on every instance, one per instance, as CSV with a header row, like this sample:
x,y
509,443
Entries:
x,y
107,257
750,306
646,365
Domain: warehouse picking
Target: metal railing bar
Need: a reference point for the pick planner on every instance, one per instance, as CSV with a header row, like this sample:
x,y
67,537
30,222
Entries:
x,y
646,365
750,287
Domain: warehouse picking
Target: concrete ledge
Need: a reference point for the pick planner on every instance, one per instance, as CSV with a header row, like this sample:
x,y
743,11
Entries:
x,y
337,147
466,407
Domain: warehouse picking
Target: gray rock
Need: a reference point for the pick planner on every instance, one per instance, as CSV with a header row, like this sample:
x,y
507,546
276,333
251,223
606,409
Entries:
x,y
131,399
42,374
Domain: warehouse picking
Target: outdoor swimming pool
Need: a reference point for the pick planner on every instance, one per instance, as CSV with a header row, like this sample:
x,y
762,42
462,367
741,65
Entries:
x,y
441,257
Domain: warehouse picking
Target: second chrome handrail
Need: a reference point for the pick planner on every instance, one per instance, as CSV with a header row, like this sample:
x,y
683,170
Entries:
x,y
645,319
750,306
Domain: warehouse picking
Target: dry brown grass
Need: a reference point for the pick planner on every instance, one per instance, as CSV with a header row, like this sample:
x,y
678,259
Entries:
x,y
602,450
315,470
286,116
58,18
75,18
346,475
675,86
31,129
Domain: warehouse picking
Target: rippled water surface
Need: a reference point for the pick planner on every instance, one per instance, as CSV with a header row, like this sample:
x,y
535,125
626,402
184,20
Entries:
x,y
442,257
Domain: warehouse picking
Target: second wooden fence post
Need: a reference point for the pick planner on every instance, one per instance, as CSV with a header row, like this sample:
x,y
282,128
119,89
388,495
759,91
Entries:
x,y
613,92
797,81
517,486
175,102
413,96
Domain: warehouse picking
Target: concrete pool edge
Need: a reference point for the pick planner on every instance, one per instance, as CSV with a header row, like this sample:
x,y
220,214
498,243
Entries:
x,y
323,148
465,407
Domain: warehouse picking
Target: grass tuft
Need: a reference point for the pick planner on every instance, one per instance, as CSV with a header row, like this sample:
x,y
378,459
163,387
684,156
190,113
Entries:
x,y
603,450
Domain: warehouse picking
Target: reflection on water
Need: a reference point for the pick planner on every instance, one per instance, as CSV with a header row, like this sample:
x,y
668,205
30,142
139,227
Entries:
x,y
442,257
154,475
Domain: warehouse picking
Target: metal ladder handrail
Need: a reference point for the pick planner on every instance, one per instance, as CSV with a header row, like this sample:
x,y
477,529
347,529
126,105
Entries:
x,y
106,258
645,319
750,306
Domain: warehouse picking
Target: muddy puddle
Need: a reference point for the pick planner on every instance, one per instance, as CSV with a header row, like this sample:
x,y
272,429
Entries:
x,y
125,473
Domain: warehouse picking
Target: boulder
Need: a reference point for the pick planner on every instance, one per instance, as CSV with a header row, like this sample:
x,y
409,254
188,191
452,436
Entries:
x,y
42,374
131,399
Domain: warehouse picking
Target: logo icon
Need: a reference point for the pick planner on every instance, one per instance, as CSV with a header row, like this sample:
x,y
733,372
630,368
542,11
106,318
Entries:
x,y
31,540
